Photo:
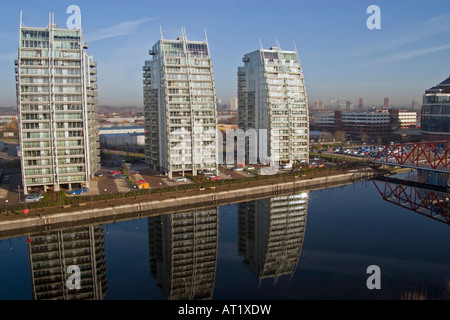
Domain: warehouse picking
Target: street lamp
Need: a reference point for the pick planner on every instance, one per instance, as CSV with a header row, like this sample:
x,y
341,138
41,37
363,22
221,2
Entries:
x,y
106,197
6,207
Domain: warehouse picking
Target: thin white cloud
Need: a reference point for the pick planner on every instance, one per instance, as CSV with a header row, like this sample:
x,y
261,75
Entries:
x,y
405,55
121,29
409,34
400,56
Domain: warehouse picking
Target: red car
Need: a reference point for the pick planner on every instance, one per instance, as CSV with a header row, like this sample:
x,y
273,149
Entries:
x,y
141,181
117,172
215,178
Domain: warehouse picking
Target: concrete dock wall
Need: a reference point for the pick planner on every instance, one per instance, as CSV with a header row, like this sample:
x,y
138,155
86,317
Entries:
x,y
177,203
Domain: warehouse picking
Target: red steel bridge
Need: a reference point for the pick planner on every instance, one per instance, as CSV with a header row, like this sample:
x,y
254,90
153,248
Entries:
x,y
430,202
432,156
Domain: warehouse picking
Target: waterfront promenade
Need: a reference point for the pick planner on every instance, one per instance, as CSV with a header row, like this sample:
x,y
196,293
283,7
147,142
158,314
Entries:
x,y
48,218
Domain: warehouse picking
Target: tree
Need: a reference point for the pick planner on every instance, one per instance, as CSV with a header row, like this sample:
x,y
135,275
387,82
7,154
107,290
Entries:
x,y
340,136
364,137
379,140
327,136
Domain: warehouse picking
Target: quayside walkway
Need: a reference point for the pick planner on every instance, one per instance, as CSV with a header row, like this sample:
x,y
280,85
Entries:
x,y
141,206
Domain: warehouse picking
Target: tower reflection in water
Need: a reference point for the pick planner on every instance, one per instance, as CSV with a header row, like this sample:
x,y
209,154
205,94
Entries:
x,y
183,253
271,234
183,249
184,246
52,253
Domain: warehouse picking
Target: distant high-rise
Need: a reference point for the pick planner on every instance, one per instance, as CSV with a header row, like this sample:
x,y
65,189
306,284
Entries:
x,y
319,105
233,104
360,104
180,107
57,106
272,97
348,105
386,103
322,105
415,106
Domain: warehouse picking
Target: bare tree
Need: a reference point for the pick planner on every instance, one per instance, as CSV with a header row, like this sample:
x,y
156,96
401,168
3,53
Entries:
x,y
340,136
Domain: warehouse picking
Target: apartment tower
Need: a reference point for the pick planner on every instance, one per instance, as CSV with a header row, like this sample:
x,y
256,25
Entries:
x,y
273,101
57,107
180,107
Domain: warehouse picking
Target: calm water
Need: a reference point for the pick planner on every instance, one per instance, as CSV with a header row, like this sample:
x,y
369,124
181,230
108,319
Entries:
x,y
310,245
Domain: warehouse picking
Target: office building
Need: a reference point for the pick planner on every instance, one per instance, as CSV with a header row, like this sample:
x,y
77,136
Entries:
x,y
435,122
180,107
415,106
357,124
386,103
272,98
57,106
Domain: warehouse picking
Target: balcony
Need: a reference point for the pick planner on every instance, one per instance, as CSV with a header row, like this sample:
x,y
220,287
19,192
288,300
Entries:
x,y
92,101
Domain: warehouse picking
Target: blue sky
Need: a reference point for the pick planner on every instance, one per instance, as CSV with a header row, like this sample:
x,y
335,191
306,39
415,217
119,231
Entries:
x,y
341,58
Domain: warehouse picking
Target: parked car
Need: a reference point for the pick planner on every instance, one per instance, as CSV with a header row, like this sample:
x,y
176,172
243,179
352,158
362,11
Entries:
x,y
180,180
6,179
76,192
119,176
33,197
99,174
85,189
215,178
237,169
117,172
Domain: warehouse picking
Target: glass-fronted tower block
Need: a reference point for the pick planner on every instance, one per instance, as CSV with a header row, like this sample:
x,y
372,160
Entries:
x,y
57,105
180,107
272,98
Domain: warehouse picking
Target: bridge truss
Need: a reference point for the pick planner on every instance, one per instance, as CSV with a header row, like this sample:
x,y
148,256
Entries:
x,y
432,156
430,203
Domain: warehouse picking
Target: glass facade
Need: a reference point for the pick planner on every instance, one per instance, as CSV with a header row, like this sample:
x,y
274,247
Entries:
x,y
272,97
180,107
57,102
435,114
